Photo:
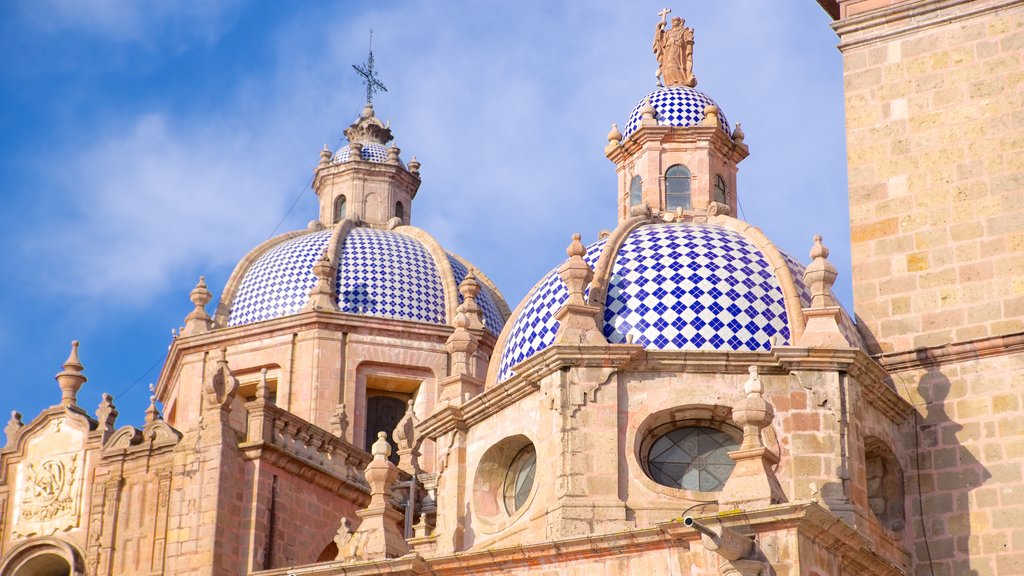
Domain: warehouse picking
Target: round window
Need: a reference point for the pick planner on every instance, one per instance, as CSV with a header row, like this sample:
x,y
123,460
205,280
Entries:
x,y
692,458
519,478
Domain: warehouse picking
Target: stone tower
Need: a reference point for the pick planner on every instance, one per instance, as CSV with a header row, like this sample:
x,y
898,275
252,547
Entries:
x,y
935,116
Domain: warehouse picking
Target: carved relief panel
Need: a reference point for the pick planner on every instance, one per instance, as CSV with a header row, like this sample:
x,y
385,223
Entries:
x,y
48,485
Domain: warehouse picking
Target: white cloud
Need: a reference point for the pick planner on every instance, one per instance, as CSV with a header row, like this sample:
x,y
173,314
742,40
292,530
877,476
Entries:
x,y
506,107
132,20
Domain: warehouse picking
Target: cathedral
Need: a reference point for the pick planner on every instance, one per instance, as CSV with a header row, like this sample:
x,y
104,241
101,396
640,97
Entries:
x,y
680,396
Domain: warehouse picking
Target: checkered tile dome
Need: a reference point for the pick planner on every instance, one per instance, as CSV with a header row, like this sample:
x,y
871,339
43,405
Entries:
x,y
674,286
676,106
381,273
372,152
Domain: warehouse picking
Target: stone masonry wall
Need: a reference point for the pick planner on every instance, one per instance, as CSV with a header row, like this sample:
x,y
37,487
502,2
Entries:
x,y
935,139
966,505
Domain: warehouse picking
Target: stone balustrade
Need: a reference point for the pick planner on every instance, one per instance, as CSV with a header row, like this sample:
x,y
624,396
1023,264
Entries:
x,y
268,424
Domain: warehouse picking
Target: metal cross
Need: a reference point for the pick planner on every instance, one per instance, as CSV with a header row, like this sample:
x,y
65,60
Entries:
x,y
373,84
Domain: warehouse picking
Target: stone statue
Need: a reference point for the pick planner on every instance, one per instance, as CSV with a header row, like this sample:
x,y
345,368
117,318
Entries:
x,y
674,50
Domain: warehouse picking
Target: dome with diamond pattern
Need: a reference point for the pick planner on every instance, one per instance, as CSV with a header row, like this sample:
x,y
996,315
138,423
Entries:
x,y
392,274
675,106
673,286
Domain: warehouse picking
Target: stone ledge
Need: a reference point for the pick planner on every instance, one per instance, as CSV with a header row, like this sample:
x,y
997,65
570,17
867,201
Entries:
x,y
909,17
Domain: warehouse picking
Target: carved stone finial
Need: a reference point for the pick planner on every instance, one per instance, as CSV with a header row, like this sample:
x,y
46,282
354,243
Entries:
x,y
322,295
462,343
339,421
393,153
737,134
753,481
221,386
469,289
820,275
152,412
414,166
648,115
381,448
367,111
577,319
198,321
718,209
71,378
378,536
325,155
262,388
614,138
673,48
576,273
405,438
14,425
106,413
710,116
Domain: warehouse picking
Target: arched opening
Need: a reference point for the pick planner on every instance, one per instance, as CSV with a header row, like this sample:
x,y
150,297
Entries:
x,y
677,187
721,189
884,483
43,556
399,211
635,191
339,208
44,565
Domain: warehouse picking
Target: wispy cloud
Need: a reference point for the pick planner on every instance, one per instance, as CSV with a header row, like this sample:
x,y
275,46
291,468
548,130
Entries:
x,y
133,20
506,112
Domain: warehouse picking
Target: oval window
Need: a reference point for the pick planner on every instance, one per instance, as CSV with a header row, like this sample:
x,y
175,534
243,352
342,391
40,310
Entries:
x,y
692,458
519,478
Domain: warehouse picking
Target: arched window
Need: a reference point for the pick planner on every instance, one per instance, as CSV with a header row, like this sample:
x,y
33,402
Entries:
x,y
677,187
339,208
635,187
399,211
720,189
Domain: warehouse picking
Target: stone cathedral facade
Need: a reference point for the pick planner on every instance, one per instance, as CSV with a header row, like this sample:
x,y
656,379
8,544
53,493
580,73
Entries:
x,y
680,396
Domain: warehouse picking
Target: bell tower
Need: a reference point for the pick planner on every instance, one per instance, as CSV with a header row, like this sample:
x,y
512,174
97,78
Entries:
x,y
676,153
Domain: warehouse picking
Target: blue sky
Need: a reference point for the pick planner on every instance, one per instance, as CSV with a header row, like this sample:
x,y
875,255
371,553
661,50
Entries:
x,y
146,143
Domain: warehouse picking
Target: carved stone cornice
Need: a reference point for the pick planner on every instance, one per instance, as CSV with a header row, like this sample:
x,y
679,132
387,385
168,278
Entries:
x,y
923,358
713,136
908,17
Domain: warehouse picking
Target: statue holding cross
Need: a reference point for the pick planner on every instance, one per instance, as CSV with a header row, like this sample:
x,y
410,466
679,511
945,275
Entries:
x,y
673,48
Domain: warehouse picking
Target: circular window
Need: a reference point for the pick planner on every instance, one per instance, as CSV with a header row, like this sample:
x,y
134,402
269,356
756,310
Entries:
x,y
692,458
519,479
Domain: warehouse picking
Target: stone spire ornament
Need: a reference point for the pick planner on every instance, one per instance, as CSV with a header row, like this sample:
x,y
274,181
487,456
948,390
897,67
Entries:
x,y
673,47
71,378
648,115
322,295
378,536
462,343
753,482
198,321
577,319
14,426
821,329
106,413
469,288
614,138
221,386
152,412
405,438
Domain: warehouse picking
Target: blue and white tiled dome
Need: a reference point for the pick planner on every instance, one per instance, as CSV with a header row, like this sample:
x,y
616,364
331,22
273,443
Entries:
x,y
371,152
676,106
381,273
674,286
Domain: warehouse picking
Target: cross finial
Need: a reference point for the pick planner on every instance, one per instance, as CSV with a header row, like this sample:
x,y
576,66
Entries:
x,y
369,75
664,13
